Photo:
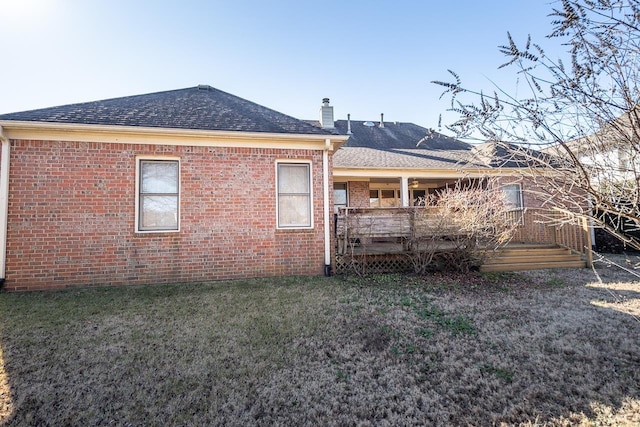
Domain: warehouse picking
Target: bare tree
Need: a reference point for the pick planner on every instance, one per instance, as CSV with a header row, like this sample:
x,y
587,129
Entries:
x,y
576,123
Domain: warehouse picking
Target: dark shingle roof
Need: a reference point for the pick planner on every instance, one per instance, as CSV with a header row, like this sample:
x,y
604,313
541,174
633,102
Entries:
x,y
397,135
398,145
496,154
396,158
409,146
201,107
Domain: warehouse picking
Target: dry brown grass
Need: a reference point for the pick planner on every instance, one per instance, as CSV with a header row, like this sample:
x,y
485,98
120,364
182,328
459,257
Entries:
x,y
540,348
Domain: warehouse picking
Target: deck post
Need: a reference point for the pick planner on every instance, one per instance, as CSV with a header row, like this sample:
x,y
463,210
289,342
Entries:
x,y
404,191
345,238
588,242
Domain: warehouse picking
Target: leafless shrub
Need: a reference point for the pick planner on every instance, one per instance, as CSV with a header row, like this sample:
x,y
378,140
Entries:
x,y
358,243
457,228
426,237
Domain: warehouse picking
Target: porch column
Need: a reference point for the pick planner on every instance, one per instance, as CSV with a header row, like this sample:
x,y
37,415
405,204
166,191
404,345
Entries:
x,y
404,191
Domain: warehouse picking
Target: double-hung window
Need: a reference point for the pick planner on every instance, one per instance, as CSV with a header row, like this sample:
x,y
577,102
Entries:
x,y
339,196
513,194
158,195
294,195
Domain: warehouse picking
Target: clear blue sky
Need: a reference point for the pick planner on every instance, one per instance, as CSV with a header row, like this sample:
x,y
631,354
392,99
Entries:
x,y
369,57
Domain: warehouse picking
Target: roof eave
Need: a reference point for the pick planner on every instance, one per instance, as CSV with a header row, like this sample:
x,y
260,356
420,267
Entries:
x,y
169,136
461,171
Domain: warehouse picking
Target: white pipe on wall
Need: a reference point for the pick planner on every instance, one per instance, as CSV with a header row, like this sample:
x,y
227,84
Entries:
x,y
4,201
327,223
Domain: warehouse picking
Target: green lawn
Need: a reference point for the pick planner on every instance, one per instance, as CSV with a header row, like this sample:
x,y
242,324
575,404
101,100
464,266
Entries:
x,y
546,348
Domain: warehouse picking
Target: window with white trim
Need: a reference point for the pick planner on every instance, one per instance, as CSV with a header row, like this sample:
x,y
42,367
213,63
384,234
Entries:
x,y
294,195
340,196
158,195
623,160
513,193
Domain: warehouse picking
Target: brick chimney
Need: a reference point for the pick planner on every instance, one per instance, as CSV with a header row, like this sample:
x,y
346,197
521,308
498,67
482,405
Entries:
x,y
326,115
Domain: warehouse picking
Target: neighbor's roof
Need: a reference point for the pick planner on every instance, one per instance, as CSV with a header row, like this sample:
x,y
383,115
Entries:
x,y
201,107
614,133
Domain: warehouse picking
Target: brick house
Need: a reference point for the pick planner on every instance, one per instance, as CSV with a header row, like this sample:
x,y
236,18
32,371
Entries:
x,y
197,184
177,186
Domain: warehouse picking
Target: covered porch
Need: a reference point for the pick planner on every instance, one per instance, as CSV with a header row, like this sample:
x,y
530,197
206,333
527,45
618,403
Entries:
x,y
391,191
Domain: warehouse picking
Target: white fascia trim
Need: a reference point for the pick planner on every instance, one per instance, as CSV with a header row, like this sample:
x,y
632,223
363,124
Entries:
x,y
425,173
166,136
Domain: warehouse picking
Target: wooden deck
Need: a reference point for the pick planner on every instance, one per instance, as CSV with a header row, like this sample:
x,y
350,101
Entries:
x,y
542,238
390,247
385,257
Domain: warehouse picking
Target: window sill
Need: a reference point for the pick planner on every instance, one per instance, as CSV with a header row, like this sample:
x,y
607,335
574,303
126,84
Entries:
x,y
155,232
294,229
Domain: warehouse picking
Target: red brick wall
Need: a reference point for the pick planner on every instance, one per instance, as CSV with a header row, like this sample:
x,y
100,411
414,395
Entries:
x,y
359,194
71,217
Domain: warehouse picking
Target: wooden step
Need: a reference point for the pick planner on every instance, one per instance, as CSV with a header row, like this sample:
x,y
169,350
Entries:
x,y
532,257
505,259
530,246
532,266
532,251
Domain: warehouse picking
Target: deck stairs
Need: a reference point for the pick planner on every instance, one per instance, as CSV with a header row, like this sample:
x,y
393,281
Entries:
x,y
520,257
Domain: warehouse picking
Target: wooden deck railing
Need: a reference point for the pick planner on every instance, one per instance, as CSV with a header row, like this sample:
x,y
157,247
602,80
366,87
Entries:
x,y
553,226
365,223
533,225
371,223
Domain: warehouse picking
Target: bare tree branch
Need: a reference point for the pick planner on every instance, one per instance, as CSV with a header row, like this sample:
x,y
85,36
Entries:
x,y
584,111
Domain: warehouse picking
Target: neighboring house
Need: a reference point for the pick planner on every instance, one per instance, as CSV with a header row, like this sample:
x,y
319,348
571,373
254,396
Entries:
x,y
611,161
178,186
611,153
